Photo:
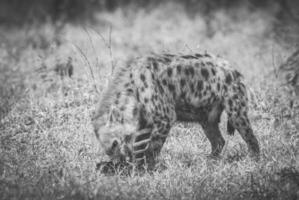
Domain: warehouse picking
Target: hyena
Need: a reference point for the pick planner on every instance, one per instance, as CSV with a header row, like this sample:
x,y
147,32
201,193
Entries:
x,y
147,96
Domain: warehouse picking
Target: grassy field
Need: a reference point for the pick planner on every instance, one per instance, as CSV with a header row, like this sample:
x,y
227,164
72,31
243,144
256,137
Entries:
x,y
47,146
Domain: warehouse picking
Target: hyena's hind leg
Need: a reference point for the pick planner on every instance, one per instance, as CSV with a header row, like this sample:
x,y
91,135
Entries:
x,y
211,130
236,107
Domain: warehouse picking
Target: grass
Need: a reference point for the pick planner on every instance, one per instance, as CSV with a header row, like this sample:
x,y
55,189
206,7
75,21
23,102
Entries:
x,y
48,149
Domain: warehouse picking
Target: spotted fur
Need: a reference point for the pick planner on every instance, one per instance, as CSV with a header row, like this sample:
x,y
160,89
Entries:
x,y
146,97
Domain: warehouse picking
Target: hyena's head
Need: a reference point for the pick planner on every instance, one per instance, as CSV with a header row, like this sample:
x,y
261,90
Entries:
x,y
115,136
115,141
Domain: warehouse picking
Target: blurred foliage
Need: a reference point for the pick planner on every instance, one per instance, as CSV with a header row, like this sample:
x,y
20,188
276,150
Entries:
x,y
18,12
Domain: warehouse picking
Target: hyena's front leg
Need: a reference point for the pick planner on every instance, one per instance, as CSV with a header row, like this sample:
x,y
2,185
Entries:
x,y
156,111
159,135
147,146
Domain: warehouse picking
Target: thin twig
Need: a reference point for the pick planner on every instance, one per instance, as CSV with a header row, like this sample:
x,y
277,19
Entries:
x,y
110,49
108,45
89,66
273,63
94,50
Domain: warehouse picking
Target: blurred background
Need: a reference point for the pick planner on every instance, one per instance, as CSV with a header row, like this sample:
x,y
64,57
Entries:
x,y
56,56
140,26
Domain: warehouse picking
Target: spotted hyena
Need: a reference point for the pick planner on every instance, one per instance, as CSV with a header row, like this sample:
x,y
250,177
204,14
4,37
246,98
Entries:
x,y
145,98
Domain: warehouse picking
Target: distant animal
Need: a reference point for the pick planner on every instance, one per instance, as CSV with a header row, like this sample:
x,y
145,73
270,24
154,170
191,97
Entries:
x,y
65,69
147,96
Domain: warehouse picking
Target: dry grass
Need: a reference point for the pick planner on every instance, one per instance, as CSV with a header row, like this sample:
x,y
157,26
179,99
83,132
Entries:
x,y
48,150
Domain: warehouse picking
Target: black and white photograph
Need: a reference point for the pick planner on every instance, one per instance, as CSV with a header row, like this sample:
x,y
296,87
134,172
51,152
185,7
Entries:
x,y
149,100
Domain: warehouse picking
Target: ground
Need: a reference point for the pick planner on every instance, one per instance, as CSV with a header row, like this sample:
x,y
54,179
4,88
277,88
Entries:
x,y
47,146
